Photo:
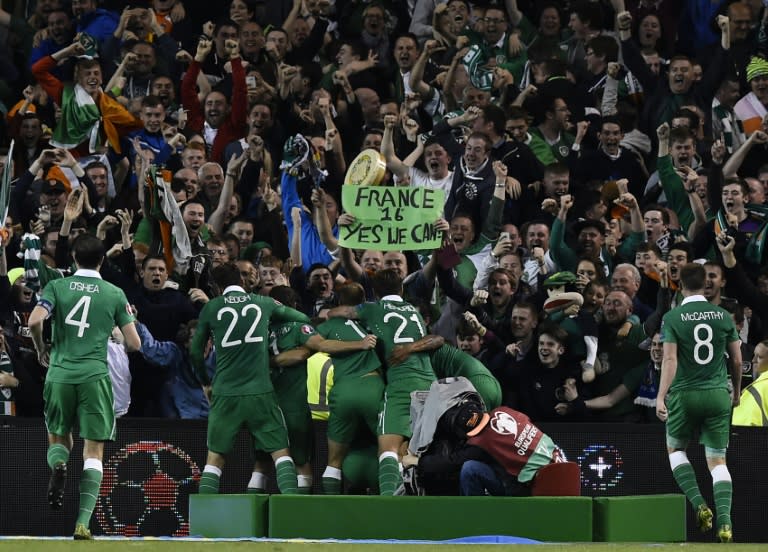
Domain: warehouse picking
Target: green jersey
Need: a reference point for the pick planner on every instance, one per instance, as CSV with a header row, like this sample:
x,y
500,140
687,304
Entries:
x,y
290,380
449,361
560,149
395,322
239,324
480,54
85,308
540,149
702,332
353,364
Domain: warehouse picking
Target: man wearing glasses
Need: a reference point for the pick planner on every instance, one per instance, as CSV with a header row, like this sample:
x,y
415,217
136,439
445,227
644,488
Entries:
x,y
217,249
493,48
555,122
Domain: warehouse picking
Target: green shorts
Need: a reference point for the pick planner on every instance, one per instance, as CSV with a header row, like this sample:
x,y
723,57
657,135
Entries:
x,y
259,414
395,415
90,403
301,435
291,396
354,403
704,410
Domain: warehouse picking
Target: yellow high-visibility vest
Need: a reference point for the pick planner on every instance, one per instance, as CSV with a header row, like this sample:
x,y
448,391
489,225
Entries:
x,y
753,404
319,383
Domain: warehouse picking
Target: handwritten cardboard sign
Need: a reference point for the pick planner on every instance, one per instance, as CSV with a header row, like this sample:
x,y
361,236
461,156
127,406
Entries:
x,y
391,218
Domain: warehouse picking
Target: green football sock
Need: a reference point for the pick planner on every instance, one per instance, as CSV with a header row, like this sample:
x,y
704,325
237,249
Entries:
x,y
686,480
304,483
209,481
257,484
57,454
722,488
331,486
89,493
723,491
331,481
389,475
286,476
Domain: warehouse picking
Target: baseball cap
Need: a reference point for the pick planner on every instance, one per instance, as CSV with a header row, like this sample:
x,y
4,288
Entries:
x,y
468,418
90,45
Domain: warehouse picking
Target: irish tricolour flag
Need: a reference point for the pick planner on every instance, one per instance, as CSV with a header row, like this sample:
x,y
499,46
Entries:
x,y
80,117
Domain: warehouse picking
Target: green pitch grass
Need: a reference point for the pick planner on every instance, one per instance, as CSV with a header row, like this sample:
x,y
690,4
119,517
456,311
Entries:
x,y
213,546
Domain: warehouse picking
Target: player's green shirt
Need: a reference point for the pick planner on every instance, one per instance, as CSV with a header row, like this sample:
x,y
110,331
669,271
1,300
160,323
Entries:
x,y
702,332
85,308
239,324
449,361
395,322
290,380
354,364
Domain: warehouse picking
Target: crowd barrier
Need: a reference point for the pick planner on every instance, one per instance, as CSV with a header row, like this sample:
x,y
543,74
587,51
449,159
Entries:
x,y
153,467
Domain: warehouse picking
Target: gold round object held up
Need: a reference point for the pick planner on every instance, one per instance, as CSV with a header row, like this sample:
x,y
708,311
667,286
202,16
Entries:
x,y
367,169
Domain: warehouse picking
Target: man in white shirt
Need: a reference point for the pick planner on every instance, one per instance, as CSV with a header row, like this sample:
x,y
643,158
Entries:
x,y
436,159
119,373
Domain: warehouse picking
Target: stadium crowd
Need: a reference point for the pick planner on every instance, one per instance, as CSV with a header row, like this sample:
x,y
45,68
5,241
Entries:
x,y
587,151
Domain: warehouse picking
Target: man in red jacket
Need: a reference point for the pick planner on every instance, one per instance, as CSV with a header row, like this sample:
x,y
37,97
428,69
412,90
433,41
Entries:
x,y
215,119
88,114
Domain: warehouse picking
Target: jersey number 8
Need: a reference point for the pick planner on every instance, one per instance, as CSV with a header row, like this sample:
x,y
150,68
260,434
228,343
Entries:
x,y
704,343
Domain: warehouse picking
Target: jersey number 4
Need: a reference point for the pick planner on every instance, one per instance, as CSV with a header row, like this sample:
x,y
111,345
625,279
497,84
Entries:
x,y
249,337
84,305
